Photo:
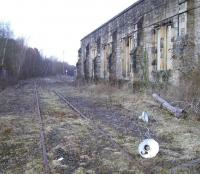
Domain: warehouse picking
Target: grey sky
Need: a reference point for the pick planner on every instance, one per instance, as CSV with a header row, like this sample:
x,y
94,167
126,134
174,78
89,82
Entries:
x,y
57,26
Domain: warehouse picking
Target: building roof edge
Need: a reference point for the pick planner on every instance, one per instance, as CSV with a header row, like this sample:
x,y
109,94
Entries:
x,y
121,13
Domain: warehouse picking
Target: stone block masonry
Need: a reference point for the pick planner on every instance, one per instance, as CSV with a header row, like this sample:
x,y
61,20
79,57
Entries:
x,y
148,41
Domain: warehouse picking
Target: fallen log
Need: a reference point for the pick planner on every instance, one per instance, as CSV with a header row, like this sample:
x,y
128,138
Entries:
x,y
178,112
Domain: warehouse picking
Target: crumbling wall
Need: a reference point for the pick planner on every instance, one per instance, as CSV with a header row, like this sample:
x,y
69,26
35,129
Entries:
x,y
196,20
144,43
79,66
186,46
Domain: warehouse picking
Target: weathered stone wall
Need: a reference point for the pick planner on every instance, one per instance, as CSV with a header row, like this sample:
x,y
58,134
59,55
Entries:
x,y
145,41
79,68
197,30
186,48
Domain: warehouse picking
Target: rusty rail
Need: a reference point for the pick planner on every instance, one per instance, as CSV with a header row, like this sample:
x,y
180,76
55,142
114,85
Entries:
x,y
129,155
187,165
42,133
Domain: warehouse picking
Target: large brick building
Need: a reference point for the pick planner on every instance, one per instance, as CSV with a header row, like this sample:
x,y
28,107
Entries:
x,y
150,40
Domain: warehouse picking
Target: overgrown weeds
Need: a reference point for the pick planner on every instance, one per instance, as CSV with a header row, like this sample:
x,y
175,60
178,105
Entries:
x,y
187,94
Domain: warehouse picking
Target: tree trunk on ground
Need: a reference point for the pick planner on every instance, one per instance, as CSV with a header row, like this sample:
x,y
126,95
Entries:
x,y
174,110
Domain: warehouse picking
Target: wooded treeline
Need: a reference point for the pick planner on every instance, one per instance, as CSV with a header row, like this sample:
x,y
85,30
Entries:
x,y
18,61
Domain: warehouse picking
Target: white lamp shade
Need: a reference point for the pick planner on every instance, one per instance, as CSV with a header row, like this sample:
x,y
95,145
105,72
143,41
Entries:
x,y
149,148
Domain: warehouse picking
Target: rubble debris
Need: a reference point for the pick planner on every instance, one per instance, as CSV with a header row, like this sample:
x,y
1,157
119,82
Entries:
x,y
144,117
60,159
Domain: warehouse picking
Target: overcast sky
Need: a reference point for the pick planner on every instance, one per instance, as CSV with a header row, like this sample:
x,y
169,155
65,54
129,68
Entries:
x,y
57,26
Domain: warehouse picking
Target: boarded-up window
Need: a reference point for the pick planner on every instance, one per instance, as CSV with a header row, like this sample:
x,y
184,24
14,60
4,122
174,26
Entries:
x,y
126,48
164,47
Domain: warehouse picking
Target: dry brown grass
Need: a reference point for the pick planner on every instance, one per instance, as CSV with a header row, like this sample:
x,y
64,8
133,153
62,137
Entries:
x,y
187,95
179,139
191,91
7,131
75,136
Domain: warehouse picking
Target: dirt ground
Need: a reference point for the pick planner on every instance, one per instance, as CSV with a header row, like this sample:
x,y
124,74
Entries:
x,y
79,143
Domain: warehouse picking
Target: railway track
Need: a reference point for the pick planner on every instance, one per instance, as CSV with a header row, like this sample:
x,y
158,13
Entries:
x,y
98,128
42,132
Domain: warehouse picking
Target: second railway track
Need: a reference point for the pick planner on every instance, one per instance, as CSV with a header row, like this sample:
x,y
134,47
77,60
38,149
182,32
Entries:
x,y
42,133
109,137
